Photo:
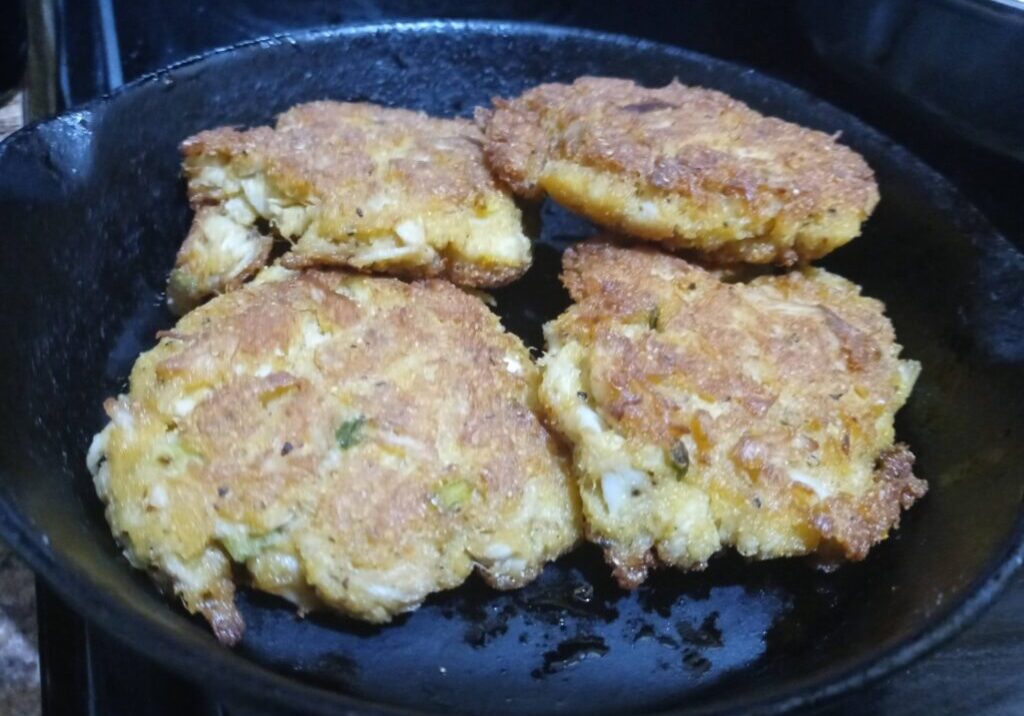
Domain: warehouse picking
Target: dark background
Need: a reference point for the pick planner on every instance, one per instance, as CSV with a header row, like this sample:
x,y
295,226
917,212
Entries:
x,y
942,77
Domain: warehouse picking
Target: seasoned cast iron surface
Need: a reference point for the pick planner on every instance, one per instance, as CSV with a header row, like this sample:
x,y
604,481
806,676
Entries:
x,y
92,210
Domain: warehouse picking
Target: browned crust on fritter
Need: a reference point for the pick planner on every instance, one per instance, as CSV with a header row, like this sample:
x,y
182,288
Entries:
x,y
460,273
630,570
326,149
442,394
830,370
360,170
679,141
855,528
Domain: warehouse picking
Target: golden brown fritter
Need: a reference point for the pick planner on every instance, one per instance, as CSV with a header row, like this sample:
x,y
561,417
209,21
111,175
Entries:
x,y
706,414
376,189
685,166
352,442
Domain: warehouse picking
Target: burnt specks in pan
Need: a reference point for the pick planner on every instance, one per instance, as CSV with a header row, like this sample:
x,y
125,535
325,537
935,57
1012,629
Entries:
x,y
693,659
706,635
571,652
578,601
584,594
489,625
648,632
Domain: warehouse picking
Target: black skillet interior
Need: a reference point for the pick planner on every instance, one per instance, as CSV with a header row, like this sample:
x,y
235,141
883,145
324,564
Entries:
x,y
92,210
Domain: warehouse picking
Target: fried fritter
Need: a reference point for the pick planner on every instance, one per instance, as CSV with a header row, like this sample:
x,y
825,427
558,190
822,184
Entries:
x,y
688,167
353,442
706,414
376,189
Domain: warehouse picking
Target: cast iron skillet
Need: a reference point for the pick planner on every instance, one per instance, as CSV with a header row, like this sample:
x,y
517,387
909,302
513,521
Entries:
x,y
92,210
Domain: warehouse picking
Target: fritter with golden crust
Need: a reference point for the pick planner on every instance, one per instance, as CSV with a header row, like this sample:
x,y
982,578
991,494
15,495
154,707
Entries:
x,y
688,167
706,414
376,189
351,442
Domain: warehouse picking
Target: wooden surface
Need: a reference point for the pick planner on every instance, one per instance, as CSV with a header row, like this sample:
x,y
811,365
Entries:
x,y
980,672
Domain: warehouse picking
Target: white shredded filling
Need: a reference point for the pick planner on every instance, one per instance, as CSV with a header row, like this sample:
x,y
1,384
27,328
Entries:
x,y
97,451
617,487
383,253
195,577
240,211
312,335
378,201
513,365
256,194
909,371
383,591
411,232
588,419
515,565
647,210
498,550
123,419
158,497
184,406
264,370
816,486
231,241
397,440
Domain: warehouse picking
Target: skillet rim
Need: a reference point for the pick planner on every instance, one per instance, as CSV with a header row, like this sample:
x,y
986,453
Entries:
x,y
180,650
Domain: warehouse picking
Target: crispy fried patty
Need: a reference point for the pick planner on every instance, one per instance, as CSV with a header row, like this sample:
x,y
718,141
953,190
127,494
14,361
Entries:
x,y
352,442
706,414
689,167
373,188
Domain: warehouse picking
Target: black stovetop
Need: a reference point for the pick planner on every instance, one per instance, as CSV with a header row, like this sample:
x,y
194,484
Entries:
x,y
95,45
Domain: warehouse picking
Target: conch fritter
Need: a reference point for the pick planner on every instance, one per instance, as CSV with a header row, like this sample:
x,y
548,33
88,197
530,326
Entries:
x,y
376,189
688,167
342,441
706,414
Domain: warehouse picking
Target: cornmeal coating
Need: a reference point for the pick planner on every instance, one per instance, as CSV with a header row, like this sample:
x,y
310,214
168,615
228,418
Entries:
x,y
348,184
688,167
347,442
707,414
